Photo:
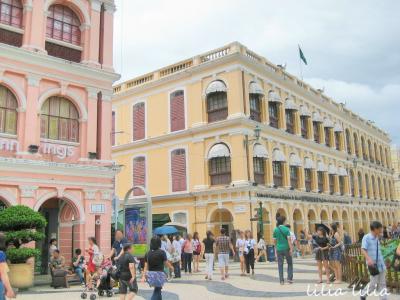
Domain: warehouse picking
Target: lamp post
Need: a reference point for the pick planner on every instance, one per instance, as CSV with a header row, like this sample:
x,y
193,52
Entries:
x,y
260,220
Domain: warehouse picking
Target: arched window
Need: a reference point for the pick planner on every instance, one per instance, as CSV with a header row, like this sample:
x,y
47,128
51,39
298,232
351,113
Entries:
x,y
348,141
59,120
367,191
352,183
371,152
178,170
139,121
342,179
382,155
360,184
308,167
8,111
177,110
260,154
278,160
63,25
255,95
217,103
219,164
377,158
273,111
304,126
11,14
356,146
373,184
139,174
364,149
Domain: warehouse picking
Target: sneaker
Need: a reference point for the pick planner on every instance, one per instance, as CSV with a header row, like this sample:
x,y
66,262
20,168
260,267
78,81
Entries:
x,y
363,297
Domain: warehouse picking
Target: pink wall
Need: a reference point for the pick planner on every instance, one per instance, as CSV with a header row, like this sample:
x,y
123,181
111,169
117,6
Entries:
x,y
61,170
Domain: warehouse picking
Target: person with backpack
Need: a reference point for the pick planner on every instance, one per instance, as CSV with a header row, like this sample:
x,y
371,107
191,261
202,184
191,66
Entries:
x,y
196,252
283,249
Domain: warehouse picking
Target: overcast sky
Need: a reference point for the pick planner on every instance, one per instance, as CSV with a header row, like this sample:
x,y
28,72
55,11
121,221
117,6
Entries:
x,y
352,47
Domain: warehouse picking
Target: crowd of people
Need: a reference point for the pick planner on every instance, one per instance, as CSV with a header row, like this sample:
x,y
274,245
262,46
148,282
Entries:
x,y
169,256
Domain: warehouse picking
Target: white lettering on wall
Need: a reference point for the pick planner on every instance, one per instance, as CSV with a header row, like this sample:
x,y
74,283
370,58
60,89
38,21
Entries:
x,y
9,145
61,151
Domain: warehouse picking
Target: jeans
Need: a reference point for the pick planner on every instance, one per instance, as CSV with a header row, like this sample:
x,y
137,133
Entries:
x,y
281,256
79,272
249,260
2,291
376,283
177,269
156,294
209,264
188,262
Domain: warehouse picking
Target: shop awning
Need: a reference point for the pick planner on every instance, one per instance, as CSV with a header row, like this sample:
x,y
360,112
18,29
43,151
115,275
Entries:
x,y
332,169
317,117
219,150
328,123
255,88
337,127
216,86
290,104
277,155
260,151
342,171
274,97
321,166
308,163
304,111
295,160
160,220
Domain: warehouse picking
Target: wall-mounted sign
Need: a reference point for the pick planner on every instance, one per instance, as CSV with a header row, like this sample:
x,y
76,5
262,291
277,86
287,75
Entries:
x,y
240,208
9,145
61,151
98,208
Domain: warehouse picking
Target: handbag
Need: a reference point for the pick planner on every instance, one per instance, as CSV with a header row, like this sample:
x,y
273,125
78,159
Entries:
x,y
373,270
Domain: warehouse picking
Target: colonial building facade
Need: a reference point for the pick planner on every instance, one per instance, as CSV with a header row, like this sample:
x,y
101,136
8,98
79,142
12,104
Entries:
x,y
213,136
56,76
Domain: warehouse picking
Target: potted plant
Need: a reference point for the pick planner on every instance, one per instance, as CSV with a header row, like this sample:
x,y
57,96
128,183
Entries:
x,y
22,226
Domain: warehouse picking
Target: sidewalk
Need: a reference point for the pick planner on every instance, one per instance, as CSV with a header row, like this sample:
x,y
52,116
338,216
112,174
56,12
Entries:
x,y
264,285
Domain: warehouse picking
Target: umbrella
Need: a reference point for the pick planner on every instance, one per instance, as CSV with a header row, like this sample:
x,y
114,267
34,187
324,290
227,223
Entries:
x,y
327,229
165,230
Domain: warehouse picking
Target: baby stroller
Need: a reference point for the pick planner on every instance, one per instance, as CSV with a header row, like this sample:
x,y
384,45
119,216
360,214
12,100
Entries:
x,y
101,282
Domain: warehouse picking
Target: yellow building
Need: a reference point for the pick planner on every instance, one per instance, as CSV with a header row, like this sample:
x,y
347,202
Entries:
x,y
213,136
396,168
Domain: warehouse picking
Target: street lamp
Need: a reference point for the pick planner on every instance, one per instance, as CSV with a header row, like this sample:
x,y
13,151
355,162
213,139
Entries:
x,y
256,134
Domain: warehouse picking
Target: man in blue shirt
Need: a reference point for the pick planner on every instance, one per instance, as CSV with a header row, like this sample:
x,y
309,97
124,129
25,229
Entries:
x,y
371,249
118,245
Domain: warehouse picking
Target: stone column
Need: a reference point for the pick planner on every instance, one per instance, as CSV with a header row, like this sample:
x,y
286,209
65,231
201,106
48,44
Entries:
x,y
108,36
34,35
92,119
32,114
336,186
281,114
286,174
297,125
321,133
301,183
314,180
326,183
310,129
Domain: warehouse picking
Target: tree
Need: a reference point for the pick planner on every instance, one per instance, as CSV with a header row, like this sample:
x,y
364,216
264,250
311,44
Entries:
x,y
21,225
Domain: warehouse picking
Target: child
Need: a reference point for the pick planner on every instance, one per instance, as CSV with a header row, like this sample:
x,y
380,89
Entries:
x,y
176,262
78,262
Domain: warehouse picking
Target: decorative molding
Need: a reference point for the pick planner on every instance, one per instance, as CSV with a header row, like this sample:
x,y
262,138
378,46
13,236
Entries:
x,y
96,5
33,80
90,194
28,191
92,93
106,194
19,92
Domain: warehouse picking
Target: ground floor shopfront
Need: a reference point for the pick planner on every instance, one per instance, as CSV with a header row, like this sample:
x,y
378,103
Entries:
x,y
237,209
75,199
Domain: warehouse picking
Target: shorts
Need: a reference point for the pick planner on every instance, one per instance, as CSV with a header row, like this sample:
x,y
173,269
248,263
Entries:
x,y
124,285
223,260
196,253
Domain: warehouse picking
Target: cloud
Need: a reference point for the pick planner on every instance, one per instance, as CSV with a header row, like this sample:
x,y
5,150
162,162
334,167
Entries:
x,y
380,105
351,46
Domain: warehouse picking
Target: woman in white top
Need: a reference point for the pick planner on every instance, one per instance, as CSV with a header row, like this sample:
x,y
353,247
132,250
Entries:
x,y
240,242
249,250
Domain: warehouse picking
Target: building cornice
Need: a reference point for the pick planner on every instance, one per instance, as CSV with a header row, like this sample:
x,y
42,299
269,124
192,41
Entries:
x,y
236,51
46,167
34,61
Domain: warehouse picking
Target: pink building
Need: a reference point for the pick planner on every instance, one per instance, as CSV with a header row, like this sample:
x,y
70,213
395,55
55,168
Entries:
x,y
56,76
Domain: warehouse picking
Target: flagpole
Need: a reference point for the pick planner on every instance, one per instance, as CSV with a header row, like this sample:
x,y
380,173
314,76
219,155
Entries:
x,y
300,66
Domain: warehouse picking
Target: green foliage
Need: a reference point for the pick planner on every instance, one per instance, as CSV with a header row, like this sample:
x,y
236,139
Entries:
x,y
24,237
20,255
21,217
21,225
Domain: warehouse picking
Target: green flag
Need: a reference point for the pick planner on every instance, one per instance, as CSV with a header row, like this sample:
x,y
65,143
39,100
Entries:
x,y
302,57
